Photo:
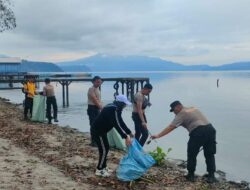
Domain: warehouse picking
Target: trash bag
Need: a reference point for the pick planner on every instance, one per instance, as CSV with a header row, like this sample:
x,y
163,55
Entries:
x,y
115,140
38,109
141,157
133,165
129,169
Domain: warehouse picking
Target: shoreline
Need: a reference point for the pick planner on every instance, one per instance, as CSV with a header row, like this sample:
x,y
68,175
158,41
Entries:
x,y
65,154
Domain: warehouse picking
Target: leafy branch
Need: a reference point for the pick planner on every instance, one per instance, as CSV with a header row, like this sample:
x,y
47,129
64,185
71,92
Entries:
x,y
159,155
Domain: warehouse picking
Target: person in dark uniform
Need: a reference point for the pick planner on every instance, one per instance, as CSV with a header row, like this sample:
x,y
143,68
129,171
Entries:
x,y
48,91
138,115
201,134
94,102
109,117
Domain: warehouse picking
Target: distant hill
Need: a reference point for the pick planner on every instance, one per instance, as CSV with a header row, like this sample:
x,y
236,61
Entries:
x,y
234,66
3,56
74,68
104,63
33,66
121,63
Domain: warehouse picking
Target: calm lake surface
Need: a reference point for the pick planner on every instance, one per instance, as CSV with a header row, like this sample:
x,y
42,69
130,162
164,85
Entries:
x,y
227,107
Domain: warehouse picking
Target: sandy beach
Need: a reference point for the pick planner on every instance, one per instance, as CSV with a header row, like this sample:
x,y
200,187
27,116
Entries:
x,y
51,157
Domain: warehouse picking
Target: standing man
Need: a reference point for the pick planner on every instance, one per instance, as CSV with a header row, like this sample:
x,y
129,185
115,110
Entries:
x,y
201,133
138,115
48,91
110,116
94,101
29,89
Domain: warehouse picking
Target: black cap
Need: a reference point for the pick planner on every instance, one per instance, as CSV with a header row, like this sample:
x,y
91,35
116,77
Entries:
x,y
173,104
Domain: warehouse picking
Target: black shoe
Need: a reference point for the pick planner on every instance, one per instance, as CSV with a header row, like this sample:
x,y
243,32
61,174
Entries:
x,y
190,177
205,176
55,120
49,122
211,178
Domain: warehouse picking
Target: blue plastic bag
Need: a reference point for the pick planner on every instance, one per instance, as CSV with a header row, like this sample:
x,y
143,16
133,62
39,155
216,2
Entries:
x,y
144,159
133,165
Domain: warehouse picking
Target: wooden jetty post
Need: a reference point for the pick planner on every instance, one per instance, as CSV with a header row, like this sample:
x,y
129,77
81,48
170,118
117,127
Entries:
x,y
65,91
127,86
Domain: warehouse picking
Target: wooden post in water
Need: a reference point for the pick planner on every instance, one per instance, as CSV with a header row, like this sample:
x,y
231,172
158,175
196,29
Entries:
x,y
132,92
67,92
128,86
122,87
116,87
63,93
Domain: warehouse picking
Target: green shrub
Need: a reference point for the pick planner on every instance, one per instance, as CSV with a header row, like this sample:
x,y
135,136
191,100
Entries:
x,y
159,155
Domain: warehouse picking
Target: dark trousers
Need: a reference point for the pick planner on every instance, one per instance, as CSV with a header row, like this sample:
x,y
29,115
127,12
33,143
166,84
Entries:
x,y
28,104
93,112
141,133
103,148
51,102
202,136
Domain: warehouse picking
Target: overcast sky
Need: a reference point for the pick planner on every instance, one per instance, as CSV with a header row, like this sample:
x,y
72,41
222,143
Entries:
x,y
210,32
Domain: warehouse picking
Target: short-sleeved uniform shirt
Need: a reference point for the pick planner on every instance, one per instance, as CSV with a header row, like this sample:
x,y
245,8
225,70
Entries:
x,y
190,118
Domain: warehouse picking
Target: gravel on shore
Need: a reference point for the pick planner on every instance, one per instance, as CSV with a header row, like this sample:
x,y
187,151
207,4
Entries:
x,y
41,156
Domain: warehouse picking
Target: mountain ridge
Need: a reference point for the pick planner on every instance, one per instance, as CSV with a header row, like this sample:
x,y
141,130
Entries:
x,y
100,62
118,63
35,66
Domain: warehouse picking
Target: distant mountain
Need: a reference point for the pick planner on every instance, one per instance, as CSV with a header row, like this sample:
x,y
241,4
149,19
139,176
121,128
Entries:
x,y
3,56
74,68
104,63
226,67
234,66
33,66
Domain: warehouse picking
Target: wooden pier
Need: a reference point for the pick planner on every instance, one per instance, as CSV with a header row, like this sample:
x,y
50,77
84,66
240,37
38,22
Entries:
x,y
126,86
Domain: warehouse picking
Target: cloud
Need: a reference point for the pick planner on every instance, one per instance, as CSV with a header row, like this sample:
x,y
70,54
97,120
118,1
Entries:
x,y
172,29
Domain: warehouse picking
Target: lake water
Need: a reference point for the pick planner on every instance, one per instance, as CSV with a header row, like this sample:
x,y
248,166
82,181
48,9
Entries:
x,y
227,107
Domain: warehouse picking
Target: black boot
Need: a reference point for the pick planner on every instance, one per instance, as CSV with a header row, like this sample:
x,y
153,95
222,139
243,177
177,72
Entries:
x,y
190,177
211,178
